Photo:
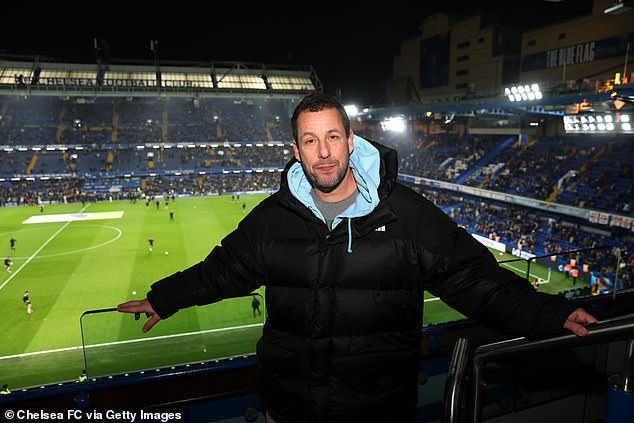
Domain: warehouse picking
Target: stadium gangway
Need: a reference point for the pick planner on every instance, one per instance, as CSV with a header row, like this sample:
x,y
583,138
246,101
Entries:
x,y
463,403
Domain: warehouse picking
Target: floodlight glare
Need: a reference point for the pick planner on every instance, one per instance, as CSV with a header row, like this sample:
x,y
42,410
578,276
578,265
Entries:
x,y
351,109
626,126
625,118
394,124
609,126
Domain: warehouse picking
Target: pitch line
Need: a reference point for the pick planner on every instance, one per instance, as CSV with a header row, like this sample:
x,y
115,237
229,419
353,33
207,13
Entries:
x,y
13,274
130,341
521,270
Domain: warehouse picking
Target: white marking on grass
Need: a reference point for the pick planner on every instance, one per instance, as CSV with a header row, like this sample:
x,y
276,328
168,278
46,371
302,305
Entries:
x,y
522,270
52,218
37,251
130,341
83,249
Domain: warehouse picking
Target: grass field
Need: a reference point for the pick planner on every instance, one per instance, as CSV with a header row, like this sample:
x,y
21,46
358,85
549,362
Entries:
x,y
70,267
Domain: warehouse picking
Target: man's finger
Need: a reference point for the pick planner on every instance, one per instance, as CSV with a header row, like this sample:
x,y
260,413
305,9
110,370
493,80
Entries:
x,y
150,323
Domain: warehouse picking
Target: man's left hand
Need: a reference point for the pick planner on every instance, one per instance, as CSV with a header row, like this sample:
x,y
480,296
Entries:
x,y
577,321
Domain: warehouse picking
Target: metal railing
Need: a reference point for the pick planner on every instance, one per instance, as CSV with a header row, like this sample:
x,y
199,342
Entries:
x,y
459,407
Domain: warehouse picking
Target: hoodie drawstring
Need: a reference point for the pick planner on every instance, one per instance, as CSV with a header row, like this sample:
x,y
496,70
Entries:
x,y
349,235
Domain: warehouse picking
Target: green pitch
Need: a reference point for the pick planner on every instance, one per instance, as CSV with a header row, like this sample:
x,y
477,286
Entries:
x,y
70,267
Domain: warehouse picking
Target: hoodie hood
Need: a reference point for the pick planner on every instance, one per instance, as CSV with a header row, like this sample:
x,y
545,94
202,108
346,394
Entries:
x,y
365,163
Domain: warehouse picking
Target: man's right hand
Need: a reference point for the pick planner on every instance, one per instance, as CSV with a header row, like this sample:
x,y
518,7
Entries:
x,y
137,307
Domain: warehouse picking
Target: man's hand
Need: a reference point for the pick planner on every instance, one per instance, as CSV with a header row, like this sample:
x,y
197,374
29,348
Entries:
x,y
138,307
577,320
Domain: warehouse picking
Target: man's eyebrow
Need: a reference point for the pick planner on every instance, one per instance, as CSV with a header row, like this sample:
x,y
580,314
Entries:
x,y
305,134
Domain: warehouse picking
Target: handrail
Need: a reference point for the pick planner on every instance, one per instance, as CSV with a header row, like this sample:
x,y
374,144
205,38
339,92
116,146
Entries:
x,y
455,383
614,329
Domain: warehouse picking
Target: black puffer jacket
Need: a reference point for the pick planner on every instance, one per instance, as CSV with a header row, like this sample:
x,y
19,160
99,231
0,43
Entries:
x,y
342,339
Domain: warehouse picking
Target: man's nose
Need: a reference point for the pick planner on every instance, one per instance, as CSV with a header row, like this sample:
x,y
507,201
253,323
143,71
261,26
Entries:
x,y
324,150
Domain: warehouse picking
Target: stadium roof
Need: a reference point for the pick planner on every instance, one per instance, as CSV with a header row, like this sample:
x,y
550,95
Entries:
x,y
182,79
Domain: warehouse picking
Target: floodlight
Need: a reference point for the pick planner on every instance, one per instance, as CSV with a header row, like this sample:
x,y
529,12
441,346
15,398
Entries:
x,y
524,92
625,118
626,126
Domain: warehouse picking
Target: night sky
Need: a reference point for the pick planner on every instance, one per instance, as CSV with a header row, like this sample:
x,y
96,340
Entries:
x,y
351,46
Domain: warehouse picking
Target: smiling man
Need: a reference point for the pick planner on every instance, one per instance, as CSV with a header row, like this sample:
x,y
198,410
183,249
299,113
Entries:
x,y
346,253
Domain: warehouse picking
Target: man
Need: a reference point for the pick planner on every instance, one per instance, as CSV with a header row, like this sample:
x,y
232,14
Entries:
x,y
83,377
346,253
150,241
7,264
25,297
255,305
12,242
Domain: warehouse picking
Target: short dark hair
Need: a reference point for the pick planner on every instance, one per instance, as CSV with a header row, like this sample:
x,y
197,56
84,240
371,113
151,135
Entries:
x,y
316,103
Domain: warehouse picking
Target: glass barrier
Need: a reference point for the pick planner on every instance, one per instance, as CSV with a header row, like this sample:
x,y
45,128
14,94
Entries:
x,y
114,343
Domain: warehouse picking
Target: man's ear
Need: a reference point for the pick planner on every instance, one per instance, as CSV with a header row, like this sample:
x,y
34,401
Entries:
x,y
296,151
350,141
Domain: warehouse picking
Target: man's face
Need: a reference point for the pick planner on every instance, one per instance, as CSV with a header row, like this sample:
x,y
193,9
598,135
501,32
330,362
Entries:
x,y
323,148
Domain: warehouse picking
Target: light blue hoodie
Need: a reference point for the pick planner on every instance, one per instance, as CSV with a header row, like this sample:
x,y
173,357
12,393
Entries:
x,y
365,163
